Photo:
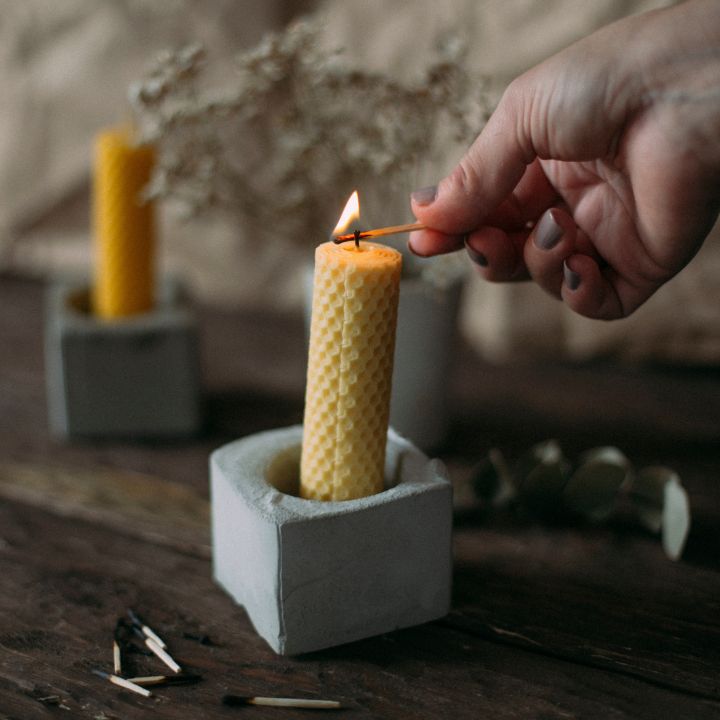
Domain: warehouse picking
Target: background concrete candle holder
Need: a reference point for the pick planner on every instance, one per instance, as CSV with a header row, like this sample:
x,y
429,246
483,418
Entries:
x,y
314,574
133,377
424,344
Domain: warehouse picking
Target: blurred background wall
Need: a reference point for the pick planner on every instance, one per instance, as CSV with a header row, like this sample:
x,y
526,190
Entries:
x,y
64,72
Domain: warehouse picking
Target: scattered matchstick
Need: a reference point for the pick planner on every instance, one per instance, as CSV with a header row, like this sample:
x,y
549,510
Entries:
x,y
161,653
123,683
117,658
377,232
164,655
237,700
182,679
139,623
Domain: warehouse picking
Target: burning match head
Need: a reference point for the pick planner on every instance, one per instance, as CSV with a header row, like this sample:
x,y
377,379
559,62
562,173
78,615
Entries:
x,y
356,235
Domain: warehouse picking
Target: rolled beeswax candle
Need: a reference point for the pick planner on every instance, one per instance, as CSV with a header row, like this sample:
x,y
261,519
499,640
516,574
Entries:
x,y
352,344
123,226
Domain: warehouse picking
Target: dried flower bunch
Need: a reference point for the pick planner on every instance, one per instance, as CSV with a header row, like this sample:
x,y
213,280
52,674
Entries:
x,y
295,129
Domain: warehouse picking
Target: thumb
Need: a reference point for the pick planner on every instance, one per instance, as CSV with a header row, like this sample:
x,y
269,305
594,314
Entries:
x,y
486,175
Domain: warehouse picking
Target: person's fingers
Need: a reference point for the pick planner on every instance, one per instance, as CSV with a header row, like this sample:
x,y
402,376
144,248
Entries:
x,y
497,255
549,244
425,243
485,176
553,239
517,212
589,291
509,216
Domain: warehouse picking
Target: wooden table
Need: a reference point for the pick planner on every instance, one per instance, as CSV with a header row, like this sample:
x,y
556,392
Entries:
x,y
547,622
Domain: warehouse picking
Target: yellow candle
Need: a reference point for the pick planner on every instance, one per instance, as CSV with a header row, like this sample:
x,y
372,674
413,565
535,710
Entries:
x,y
352,343
123,226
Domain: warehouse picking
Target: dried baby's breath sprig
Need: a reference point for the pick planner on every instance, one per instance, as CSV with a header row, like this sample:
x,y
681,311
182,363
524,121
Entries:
x,y
296,128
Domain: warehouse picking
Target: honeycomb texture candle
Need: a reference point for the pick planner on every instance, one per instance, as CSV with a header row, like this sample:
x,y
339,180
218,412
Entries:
x,y
123,226
352,344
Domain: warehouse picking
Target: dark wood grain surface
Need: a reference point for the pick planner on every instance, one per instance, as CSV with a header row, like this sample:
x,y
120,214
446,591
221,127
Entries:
x,y
548,621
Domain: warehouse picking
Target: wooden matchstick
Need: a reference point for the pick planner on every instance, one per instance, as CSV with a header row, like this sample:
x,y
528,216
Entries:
x,y
237,700
117,658
164,655
123,683
159,652
378,232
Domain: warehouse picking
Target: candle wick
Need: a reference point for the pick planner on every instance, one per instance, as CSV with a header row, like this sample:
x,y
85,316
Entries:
x,y
357,239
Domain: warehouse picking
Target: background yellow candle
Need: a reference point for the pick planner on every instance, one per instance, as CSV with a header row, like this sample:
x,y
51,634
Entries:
x,y
123,226
352,343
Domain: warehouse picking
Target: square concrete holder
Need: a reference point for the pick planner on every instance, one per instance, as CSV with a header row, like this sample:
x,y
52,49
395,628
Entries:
x,y
132,377
314,574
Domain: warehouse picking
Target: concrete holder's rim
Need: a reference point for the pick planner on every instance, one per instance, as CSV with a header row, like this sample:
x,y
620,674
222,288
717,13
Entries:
x,y
171,307
397,483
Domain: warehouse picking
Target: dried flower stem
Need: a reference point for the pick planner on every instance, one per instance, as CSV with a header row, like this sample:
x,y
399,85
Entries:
x,y
281,144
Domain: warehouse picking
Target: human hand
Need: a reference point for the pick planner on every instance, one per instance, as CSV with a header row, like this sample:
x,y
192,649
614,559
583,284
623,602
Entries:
x,y
598,175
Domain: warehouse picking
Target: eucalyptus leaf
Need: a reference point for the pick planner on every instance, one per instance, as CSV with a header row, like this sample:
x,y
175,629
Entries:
x,y
543,484
543,453
506,489
675,519
607,454
647,495
593,488
493,481
542,474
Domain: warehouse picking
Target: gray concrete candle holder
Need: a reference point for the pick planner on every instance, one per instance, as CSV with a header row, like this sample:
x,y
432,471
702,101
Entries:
x,y
133,377
314,574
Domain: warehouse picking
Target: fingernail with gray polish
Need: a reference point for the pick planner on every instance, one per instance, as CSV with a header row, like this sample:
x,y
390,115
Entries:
x,y
425,195
548,232
477,257
572,279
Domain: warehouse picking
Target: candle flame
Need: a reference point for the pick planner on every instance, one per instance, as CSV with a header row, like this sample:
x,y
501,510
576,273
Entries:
x,y
349,214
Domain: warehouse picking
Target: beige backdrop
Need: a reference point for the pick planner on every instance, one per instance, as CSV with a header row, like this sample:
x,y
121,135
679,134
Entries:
x,y
64,71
